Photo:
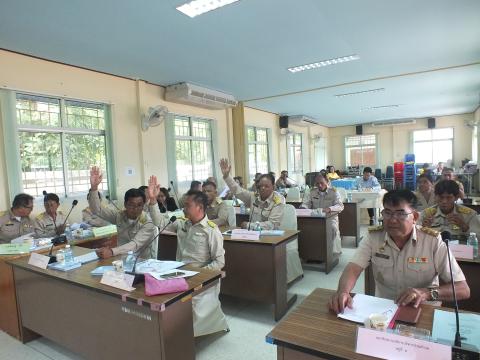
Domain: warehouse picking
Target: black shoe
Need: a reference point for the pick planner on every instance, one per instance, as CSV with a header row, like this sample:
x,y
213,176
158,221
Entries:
x,y
371,222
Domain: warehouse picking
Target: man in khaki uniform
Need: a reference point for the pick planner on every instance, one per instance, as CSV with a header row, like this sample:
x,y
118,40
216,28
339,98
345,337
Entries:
x,y
328,199
50,223
88,217
134,227
217,210
408,261
16,221
266,208
200,244
446,215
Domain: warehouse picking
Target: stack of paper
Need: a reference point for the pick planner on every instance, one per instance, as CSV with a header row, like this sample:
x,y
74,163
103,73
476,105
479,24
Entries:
x,y
444,327
365,305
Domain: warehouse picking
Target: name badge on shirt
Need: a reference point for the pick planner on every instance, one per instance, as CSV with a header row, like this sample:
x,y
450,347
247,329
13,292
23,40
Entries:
x,y
383,256
418,260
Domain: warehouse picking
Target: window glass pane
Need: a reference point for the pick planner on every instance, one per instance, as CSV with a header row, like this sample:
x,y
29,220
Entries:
x,y
82,151
201,129
41,163
352,140
298,159
252,160
442,151
251,134
367,140
422,135
442,134
37,110
369,157
261,135
423,152
262,158
85,116
202,160
182,127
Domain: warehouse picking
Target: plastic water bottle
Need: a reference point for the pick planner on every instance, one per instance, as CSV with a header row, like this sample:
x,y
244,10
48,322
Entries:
x,y
68,253
68,234
349,197
242,209
473,241
129,261
257,226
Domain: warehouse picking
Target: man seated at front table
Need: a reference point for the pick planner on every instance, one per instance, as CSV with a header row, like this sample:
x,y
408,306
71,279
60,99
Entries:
x,y
51,222
134,226
217,210
447,174
328,199
200,244
266,207
283,181
370,183
16,221
446,215
407,260
88,217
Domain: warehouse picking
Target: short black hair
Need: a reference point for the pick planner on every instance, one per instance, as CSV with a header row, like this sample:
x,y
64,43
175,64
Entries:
x,y
21,200
198,198
51,196
426,175
447,187
269,177
99,195
323,176
239,178
395,197
210,183
134,193
445,169
367,169
143,188
194,184
165,192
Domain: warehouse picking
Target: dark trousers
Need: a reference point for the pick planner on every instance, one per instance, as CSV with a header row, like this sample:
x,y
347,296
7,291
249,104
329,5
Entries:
x,y
371,212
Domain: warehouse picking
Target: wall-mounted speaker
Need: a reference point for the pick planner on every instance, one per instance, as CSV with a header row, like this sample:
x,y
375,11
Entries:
x,y
283,121
359,130
431,123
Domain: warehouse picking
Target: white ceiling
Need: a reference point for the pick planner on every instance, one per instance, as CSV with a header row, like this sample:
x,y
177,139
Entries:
x,y
426,54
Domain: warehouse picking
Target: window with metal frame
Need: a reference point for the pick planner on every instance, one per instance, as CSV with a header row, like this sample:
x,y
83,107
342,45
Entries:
x,y
59,140
361,150
193,150
258,154
433,145
295,154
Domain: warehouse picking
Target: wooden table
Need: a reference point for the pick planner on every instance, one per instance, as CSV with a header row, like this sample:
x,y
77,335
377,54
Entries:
x,y
100,322
9,320
296,204
255,270
311,331
349,220
471,270
312,241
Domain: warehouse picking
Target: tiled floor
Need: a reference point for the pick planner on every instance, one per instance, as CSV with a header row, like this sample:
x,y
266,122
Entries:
x,y
249,323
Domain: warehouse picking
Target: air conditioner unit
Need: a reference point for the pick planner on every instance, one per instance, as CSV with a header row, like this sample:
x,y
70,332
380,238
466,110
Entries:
x,y
301,120
189,94
394,122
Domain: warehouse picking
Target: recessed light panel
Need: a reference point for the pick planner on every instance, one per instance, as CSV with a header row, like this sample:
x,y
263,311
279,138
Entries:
x,y
198,7
322,63
360,92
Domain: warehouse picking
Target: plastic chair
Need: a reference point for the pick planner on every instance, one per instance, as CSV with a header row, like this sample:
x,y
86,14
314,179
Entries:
x,y
232,218
293,194
343,193
294,265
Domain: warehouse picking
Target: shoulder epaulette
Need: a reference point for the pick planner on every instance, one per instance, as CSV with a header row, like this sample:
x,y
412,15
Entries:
x,y
276,199
39,216
181,218
375,228
142,219
464,210
219,201
3,213
429,231
430,210
211,224
334,188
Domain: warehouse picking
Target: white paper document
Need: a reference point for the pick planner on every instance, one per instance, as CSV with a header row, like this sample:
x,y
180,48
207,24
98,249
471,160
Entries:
x,y
365,305
157,266
244,234
173,274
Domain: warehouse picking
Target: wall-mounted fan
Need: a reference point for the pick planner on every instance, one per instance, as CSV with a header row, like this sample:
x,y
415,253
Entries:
x,y
154,116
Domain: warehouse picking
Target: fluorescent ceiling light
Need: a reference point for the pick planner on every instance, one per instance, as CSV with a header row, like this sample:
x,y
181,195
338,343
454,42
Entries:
x,y
360,92
380,107
322,63
198,7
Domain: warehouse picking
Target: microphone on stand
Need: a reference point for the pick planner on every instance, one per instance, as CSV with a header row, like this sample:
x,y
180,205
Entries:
x,y
175,193
111,202
74,203
465,352
62,239
141,277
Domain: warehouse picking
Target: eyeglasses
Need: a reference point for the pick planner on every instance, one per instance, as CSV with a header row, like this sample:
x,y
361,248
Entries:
x,y
399,215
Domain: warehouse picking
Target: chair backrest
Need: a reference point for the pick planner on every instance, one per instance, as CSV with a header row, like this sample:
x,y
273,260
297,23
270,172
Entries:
x,y
293,193
343,193
232,218
289,220
378,174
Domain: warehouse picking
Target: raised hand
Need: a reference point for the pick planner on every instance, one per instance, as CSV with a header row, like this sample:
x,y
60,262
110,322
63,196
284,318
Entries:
x,y
225,167
153,189
95,177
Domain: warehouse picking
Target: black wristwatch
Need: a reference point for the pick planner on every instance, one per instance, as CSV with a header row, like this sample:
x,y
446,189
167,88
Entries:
x,y
433,294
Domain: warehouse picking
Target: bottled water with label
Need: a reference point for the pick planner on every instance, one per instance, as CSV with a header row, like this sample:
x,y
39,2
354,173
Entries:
x,y
129,261
473,241
257,226
68,254
242,209
68,234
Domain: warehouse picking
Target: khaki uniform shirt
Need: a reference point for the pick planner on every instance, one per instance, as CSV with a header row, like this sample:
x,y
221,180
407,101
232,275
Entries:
x,y
329,198
440,222
217,212
90,218
131,234
46,227
11,227
268,213
422,203
420,264
199,244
